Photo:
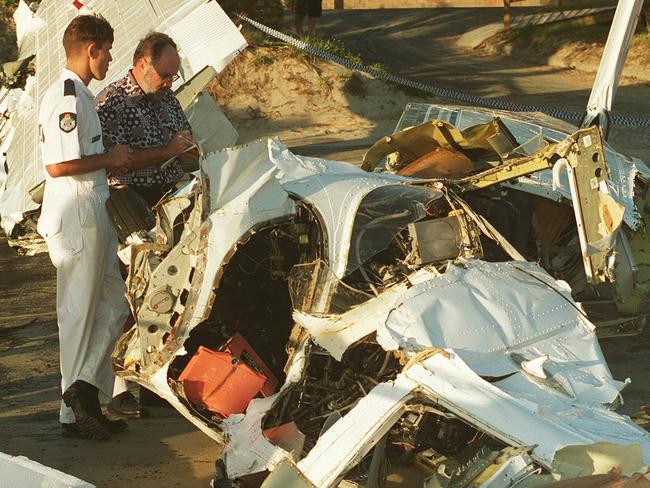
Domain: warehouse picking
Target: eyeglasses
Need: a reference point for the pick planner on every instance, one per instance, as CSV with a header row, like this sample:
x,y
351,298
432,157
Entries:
x,y
167,78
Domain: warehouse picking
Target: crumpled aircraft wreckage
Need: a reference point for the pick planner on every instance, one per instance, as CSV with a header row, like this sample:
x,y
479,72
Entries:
x,y
437,306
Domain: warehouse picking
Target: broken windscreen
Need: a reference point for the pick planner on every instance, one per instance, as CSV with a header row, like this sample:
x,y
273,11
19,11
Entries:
x,y
381,215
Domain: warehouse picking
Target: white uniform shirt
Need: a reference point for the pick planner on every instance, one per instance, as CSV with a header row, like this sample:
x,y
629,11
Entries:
x,y
70,128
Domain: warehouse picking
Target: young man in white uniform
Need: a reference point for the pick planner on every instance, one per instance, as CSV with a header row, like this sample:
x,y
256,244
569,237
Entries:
x,y
82,244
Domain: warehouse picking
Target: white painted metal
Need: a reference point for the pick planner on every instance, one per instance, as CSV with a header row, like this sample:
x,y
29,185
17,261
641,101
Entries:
x,y
334,189
535,367
16,129
206,37
350,439
488,312
611,64
26,27
491,317
22,472
338,332
210,127
243,193
520,414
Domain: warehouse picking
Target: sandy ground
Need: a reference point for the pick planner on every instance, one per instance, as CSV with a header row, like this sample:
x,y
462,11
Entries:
x,y
307,105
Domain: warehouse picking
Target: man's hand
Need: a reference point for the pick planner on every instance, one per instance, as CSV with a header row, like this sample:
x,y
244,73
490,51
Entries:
x,y
180,142
190,156
117,161
120,158
119,170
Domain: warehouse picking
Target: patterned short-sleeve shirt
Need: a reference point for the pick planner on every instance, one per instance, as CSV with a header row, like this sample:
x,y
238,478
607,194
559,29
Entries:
x,y
129,117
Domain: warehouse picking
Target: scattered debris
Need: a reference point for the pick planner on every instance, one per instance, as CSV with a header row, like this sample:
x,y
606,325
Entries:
x,y
436,308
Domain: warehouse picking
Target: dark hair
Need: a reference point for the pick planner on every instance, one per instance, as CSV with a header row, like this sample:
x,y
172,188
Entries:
x,y
84,29
152,46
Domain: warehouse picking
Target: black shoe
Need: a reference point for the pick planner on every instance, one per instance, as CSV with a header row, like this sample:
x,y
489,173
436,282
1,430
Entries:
x,y
81,398
71,431
126,405
113,426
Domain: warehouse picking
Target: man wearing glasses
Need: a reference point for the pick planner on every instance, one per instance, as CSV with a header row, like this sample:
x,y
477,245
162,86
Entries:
x,y
141,111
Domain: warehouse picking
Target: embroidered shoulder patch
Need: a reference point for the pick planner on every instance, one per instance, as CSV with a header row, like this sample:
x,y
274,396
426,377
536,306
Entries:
x,y
67,121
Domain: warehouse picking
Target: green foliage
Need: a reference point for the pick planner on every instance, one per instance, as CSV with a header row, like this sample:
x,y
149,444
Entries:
x,y
8,48
354,84
336,47
297,53
255,37
379,67
263,59
269,12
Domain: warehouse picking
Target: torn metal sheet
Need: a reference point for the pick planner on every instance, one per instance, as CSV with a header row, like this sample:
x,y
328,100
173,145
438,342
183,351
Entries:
x,y
509,310
531,131
611,64
243,194
385,307
519,419
210,127
23,472
335,189
27,25
206,37
511,472
466,334
161,385
360,429
489,469
287,475
249,451
598,458
531,316
18,107
336,333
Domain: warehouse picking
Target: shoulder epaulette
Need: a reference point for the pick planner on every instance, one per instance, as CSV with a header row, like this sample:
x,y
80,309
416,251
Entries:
x,y
68,88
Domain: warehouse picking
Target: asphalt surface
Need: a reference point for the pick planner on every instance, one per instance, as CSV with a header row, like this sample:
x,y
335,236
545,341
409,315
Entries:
x,y
419,44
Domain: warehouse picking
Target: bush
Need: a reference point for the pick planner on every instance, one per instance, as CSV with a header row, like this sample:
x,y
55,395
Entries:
x,y
354,85
263,59
336,47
